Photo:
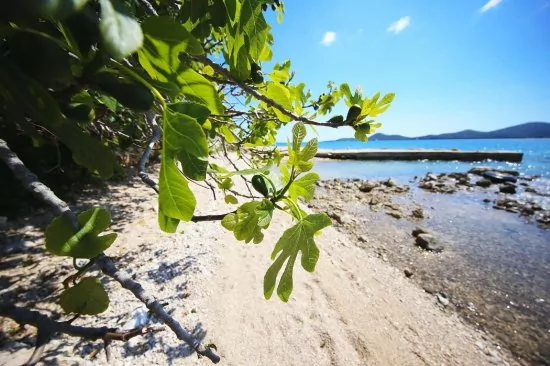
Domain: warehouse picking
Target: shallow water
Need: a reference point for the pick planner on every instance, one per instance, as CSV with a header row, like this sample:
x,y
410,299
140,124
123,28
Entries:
x,y
495,268
504,268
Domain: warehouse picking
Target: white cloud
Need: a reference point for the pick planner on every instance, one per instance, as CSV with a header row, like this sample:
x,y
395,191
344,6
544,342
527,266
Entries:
x,y
328,38
489,5
399,25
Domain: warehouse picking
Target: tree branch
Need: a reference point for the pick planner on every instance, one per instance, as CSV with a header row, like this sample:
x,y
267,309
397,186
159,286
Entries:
x,y
150,117
108,267
46,325
30,181
250,90
42,322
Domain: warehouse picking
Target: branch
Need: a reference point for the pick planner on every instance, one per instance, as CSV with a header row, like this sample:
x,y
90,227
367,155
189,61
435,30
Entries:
x,y
235,166
149,7
46,325
216,217
43,323
108,267
30,181
150,117
250,90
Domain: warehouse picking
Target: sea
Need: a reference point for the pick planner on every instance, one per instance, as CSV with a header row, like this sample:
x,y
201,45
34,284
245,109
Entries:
x,y
497,262
536,159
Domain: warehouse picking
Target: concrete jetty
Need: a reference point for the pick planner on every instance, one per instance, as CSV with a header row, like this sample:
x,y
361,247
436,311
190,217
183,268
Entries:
x,y
422,154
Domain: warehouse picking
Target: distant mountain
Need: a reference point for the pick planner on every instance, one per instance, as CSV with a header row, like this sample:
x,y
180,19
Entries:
x,y
523,131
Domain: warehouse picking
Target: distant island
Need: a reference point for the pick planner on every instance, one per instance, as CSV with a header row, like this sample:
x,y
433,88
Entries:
x,y
523,131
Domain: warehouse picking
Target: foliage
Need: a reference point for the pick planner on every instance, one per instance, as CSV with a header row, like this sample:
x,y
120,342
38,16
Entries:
x,y
67,67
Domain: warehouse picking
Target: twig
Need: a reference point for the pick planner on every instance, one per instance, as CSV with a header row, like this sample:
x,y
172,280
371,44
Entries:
x,y
150,117
43,337
48,327
149,7
108,267
250,90
81,271
30,181
216,217
42,322
235,166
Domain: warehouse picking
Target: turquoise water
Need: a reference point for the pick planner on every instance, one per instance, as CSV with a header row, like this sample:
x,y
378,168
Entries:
x,y
536,160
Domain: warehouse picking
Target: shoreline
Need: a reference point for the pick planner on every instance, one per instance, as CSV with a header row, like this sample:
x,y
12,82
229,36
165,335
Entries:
x,y
354,309
466,236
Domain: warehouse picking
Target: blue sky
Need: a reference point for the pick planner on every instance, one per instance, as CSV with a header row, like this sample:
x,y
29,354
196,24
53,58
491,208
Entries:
x,y
454,65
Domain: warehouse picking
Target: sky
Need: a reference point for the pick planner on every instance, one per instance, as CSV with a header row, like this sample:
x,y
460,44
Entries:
x,y
453,64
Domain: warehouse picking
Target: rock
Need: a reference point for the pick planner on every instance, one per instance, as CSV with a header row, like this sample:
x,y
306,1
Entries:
x,y
486,200
408,273
497,177
527,210
395,214
363,239
485,183
429,242
427,185
531,190
389,183
507,188
459,176
442,298
336,217
482,170
367,186
420,230
464,181
430,177
417,213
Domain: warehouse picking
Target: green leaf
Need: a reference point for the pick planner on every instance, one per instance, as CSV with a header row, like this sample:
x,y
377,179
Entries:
x,y
165,40
63,240
121,33
198,111
304,187
298,134
176,200
87,151
230,199
198,89
369,104
80,108
41,58
87,297
299,238
362,131
22,95
226,184
346,91
249,220
167,224
382,106
185,139
280,94
109,102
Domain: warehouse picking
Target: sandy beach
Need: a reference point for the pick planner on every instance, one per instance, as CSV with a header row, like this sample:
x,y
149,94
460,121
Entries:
x,y
355,309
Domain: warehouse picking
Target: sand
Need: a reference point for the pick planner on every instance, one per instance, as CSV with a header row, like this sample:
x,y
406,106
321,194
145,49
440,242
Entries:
x,y
355,309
